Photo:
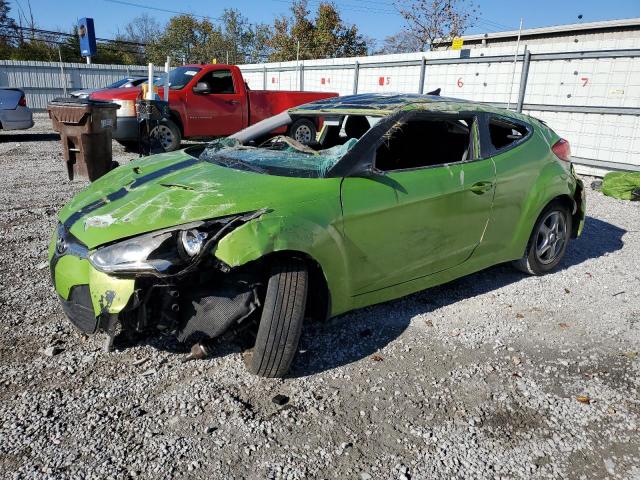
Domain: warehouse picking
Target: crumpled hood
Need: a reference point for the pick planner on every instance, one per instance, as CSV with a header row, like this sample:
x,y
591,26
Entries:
x,y
175,188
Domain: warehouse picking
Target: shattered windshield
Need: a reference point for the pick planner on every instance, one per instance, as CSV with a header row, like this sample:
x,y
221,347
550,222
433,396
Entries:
x,y
280,155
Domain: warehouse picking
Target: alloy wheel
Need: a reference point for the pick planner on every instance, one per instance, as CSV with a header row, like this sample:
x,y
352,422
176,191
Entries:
x,y
551,237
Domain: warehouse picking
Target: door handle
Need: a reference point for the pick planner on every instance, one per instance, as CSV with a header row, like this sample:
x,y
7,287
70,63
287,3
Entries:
x,y
481,187
233,102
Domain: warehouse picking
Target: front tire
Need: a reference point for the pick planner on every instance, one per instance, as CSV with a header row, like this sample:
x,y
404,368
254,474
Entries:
x,y
304,131
168,135
281,321
548,242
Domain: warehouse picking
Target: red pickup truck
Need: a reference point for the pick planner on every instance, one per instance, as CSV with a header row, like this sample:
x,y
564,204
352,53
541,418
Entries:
x,y
209,101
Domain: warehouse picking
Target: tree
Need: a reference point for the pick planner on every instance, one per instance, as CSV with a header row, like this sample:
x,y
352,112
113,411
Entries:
x,y
188,39
7,30
242,41
325,36
141,29
402,42
429,20
185,39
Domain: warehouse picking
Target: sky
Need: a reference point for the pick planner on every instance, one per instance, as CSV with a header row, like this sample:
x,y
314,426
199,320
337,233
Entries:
x,y
374,18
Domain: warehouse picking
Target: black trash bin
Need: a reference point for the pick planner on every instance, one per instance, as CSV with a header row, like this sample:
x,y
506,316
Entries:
x,y
85,128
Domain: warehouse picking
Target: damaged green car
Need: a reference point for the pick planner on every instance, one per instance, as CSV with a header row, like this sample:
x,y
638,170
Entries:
x,y
258,232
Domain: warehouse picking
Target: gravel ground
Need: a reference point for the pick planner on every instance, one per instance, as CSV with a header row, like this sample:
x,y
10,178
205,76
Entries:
x,y
496,375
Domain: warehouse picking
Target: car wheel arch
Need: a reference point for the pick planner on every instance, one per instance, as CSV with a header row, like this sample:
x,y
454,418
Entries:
x,y
270,234
174,116
319,299
563,198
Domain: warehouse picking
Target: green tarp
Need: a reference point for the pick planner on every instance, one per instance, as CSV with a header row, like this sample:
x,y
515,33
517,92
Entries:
x,y
622,185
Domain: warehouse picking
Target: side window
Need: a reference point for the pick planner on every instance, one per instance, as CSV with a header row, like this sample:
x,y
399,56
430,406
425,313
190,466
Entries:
x,y
425,143
504,133
220,81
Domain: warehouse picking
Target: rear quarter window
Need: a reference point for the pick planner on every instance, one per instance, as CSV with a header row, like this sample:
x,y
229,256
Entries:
x,y
505,133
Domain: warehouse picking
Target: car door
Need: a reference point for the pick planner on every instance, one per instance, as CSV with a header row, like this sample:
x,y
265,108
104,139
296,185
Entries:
x,y
423,215
219,112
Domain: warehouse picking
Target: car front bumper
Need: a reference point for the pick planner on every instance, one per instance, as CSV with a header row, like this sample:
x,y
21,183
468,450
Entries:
x,y
126,129
89,297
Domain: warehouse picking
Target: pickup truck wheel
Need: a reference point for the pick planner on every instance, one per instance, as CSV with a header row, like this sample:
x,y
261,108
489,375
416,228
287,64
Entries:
x,y
281,321
303,130
168,134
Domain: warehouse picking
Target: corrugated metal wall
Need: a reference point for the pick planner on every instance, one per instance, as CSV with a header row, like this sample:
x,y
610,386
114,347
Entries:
x,y
44,81
589,92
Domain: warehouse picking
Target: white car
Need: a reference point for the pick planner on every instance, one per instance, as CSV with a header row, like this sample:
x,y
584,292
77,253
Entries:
x,y
14,113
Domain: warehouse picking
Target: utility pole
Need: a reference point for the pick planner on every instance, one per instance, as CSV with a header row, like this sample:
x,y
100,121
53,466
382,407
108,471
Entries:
x,y
515,60
63,80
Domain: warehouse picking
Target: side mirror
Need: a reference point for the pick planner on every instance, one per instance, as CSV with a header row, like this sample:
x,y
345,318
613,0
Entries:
x,y
201,88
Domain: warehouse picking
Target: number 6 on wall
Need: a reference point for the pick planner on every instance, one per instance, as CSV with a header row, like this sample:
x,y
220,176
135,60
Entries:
x,y
460,83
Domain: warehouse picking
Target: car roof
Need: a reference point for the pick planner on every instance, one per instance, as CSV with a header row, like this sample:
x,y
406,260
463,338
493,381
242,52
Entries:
x,y
387,103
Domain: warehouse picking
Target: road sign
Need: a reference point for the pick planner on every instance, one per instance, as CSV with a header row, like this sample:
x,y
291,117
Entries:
x,y
87,35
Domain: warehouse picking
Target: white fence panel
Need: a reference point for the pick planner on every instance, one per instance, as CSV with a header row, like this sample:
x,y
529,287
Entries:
x,y
335,80
605,138
388,79
587,91
44,81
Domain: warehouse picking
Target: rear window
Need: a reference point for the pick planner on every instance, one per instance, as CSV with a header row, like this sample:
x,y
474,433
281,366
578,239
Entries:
x,y
504,133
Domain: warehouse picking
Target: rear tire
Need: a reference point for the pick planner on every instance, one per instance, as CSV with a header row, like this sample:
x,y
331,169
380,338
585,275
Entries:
x,y
548,242
281,321
304,131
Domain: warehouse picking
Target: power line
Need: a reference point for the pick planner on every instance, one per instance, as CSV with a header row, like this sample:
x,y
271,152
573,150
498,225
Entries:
x,y
64,34
164,10
496,24
351,8
54,37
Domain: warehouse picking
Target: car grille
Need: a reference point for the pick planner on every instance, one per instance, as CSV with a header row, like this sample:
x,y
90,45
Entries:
x,y
79,309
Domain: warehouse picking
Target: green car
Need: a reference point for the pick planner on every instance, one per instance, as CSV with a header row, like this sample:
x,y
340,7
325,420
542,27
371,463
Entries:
x,y
254,233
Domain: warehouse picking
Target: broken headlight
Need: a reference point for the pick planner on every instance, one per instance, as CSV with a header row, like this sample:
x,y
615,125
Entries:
x,y
137,255
191,242
166,252
161,252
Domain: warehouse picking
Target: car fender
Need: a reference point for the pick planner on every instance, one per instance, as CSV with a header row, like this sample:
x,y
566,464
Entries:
x,y
274,232
553,181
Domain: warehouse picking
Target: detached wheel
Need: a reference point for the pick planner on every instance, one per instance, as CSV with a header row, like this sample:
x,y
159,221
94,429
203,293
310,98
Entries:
x,y
168,134
548,241
281,321
303,130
